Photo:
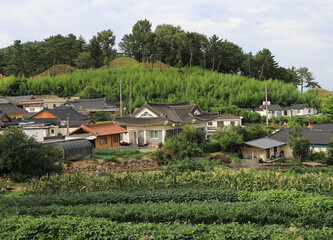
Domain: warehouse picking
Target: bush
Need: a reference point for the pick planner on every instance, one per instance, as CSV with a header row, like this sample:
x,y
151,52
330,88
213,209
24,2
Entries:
x,y
212,145
24,158
318,157
186,144
191,165
111,159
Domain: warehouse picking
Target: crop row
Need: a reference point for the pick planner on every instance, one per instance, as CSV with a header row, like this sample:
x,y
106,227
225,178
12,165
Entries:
x,y
307,200
248,180
196,212
66,227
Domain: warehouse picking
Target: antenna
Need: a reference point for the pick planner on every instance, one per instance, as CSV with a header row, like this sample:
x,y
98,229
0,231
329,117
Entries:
x,y
266,93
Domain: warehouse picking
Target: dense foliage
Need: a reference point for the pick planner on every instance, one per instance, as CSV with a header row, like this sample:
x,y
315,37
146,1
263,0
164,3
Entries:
x,y
23,157
211,91
187,144
169,44
67,227
248,180
219,204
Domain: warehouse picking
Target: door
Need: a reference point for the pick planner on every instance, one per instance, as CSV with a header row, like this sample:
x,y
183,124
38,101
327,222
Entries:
x,y
134,138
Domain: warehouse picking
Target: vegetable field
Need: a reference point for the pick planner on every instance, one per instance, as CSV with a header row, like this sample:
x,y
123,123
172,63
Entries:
x,y
219,204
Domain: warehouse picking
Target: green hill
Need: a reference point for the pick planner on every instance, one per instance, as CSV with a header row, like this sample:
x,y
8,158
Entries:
x,y
322,94
208,89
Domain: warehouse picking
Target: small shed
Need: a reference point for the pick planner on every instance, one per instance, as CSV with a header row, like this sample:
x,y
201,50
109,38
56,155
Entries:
x,y
75,149
263,148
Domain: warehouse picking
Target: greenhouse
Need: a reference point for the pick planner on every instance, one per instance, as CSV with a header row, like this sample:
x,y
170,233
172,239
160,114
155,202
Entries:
x,y
73,149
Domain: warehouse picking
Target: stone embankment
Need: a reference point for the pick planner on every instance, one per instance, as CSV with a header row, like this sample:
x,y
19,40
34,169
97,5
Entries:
x,y
107,167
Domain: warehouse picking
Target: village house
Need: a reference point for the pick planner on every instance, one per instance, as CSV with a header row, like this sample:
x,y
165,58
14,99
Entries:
x,y
275,110
276,145
12,111
91,106
101,135
224,121
65,119
153,121
6,121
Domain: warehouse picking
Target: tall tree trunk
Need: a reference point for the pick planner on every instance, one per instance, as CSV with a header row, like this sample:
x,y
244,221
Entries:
x,y
262,71
191,56
250,70
218,66
54,62
213,64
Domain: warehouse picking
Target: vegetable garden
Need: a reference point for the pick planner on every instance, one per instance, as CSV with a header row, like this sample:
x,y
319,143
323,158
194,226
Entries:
x,y
219,204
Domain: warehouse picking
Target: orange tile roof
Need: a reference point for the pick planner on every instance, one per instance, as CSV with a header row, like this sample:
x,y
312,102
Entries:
x,y
101,129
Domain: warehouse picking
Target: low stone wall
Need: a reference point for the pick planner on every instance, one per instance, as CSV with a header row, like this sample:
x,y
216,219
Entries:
x,y
107,167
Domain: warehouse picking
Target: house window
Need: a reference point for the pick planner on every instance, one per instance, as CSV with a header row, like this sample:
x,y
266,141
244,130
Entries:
x,y
52,131
285,113
232,122
153,134
146,114
115,139
210,123
32,109
102,141
309,111
298,110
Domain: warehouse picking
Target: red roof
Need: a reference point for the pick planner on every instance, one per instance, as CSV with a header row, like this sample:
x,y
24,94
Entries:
x,y
101,129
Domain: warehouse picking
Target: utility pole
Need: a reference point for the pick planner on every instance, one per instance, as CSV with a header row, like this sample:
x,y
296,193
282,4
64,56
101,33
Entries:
x,y
121,100
266,105
67,125
130,97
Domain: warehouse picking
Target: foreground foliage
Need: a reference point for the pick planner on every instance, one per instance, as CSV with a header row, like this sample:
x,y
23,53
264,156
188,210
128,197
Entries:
x,y
249,180
67,227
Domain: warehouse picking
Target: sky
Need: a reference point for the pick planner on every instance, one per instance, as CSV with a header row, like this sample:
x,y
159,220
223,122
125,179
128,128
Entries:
x,y
298,32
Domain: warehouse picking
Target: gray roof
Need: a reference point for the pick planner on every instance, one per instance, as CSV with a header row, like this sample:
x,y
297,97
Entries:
x,y
316,137
265,143
10,108
277,107
174,112
75,119
90,104
16,99
323,126
11,122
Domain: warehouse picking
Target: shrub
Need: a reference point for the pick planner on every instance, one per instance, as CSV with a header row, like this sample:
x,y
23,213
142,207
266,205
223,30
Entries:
x,y
318,157
24,158
186,144
211,145
111,159
191,165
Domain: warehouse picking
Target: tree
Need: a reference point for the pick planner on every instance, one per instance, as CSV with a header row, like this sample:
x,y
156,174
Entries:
x,y
300,146
54,49
23,157
329,160
16,60
84,61
186,144
137,44
94,47
107,41
265,64
306,78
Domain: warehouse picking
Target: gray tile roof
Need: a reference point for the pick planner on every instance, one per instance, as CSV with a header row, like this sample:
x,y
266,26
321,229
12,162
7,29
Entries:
x,y
316,137
174,112
90,104
10,108
75,118
323,127
265,143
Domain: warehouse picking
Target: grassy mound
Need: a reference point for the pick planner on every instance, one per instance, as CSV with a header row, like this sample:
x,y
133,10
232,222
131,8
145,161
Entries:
x,y
59,70
322,94
122,62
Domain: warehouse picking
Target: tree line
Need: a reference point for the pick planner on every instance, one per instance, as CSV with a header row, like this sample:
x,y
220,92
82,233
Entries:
x,y
168,44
